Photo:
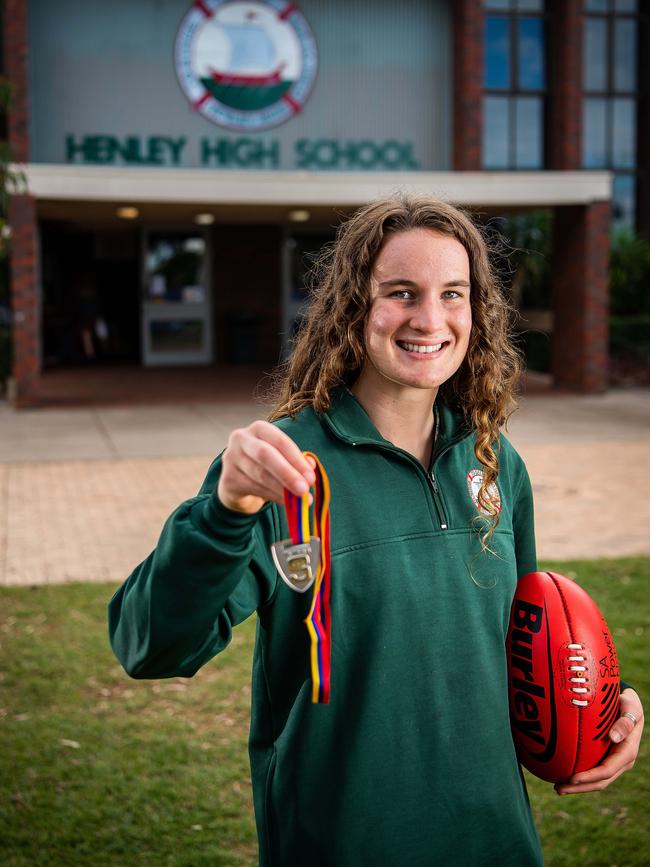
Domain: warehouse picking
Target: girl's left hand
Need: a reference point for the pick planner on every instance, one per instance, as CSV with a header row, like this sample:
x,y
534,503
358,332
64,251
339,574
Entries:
x,y
625,735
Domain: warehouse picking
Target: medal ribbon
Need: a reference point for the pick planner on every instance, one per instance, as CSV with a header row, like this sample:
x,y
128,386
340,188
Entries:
x,y
319,619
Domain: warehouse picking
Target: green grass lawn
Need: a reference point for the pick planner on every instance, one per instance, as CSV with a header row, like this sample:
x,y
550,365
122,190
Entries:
x,y
98,769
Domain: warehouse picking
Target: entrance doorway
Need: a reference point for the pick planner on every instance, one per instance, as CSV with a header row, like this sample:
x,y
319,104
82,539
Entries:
x,y
90,295
231,294
176,299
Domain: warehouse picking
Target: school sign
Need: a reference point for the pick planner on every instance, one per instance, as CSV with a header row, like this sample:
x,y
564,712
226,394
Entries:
x,y
246,66
245,84
245,152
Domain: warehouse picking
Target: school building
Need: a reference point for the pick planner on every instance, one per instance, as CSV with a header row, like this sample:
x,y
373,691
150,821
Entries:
x,y
182,159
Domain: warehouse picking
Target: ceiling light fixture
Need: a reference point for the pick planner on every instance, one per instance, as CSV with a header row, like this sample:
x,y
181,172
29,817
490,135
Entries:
x,y
300,215
128,212
204,219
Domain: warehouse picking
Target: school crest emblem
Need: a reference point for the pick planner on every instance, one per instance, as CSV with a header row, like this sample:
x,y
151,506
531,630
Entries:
x,y
246,65
474,482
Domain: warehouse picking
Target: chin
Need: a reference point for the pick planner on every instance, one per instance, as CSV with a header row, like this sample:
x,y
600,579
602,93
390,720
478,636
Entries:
x,y
419,384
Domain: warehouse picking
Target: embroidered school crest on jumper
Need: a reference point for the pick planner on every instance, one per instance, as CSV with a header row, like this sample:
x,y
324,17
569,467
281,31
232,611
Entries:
x,y
474,482
243,65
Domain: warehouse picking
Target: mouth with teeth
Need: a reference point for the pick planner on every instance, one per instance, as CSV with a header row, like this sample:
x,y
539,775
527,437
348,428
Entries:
x,y
421,348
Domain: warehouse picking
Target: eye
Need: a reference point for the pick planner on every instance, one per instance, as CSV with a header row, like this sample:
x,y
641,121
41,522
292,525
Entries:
x,y
452,293
401,293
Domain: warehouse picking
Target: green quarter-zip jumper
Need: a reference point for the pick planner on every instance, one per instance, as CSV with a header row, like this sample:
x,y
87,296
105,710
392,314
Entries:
x,y
412,762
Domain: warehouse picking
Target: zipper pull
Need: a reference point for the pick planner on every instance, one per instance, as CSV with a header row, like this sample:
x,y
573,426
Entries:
x,y
434,488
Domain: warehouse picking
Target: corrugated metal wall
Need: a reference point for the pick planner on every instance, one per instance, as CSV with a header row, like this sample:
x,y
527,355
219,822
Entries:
x,y
385,72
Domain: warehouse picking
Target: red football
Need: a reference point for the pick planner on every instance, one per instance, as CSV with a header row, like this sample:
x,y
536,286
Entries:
x,y
563,682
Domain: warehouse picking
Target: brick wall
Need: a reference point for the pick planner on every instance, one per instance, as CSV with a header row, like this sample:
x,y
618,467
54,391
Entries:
x,y
468,18
26,314
564,112
15,45
581,297
581,234
22,217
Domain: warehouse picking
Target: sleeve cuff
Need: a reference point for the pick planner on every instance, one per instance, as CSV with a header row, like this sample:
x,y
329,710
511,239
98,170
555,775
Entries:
x,y
234,528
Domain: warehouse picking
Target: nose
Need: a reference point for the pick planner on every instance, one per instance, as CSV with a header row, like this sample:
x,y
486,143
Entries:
x,y
428,314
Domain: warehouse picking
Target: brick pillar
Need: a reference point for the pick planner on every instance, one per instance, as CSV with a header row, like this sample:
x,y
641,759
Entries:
x,y
24,296
15,46
564,114
580,264
22,216
581,297
468,26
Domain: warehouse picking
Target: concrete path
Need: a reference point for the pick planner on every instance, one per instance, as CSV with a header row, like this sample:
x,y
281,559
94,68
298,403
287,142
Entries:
x,y
84,492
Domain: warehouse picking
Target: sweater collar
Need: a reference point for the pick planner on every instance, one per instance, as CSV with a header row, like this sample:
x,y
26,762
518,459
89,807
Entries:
x,y
351,423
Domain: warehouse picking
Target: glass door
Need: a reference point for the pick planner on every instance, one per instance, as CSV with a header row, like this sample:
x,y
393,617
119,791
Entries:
x,y
176,320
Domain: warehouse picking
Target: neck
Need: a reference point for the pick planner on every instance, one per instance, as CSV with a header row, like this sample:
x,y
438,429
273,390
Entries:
x,y
402,415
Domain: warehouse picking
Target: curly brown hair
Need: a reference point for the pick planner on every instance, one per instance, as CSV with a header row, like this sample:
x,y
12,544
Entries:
x,y
329,348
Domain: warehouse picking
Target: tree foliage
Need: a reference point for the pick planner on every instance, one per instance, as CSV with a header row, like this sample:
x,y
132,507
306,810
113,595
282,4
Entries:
x,y
525,255
629,274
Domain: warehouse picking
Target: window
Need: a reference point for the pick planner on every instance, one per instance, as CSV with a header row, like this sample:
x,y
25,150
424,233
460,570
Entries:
x,y
515,83
610,83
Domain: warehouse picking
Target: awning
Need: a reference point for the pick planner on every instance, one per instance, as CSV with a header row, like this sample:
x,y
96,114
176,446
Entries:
x,y
311,189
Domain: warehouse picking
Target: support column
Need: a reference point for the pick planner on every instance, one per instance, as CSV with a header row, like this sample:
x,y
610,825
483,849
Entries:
x,y
15,46
580,278
581,297
564,115
468,26
26,328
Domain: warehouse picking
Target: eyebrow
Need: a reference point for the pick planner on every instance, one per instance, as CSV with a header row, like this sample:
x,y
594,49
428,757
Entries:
x,y
398,281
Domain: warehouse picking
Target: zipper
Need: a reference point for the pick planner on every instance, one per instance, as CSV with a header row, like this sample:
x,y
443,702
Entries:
x,y
437,500
435,491
432,484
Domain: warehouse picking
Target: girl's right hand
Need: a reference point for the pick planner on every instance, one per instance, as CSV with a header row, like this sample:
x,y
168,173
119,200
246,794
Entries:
x,y
258,463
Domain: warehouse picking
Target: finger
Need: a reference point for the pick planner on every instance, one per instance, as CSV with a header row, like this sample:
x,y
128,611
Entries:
x,y
608,769
236,490
584,788
256,474
621,729
269,458
624,725
253,479
286,446
589,781
619,760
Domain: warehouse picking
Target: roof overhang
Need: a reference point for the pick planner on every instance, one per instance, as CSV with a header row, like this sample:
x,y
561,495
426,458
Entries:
x,y
68,183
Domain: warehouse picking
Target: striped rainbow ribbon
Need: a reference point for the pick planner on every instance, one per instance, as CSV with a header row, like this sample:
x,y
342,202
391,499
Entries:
x,y
319,619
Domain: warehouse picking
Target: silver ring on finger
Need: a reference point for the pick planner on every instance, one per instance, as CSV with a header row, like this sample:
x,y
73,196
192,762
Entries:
x,y
631,716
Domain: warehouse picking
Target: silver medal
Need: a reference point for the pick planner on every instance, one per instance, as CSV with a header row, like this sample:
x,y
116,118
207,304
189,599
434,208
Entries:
x,y
297,564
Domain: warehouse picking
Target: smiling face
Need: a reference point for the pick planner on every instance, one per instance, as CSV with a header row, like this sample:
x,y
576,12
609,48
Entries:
x,y
418,328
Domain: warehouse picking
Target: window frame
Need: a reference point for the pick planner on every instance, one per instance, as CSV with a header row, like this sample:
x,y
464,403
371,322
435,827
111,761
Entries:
x,y
514,92
610,94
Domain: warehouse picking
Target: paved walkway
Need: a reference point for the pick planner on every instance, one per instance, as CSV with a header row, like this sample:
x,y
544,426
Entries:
x,y
84,492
